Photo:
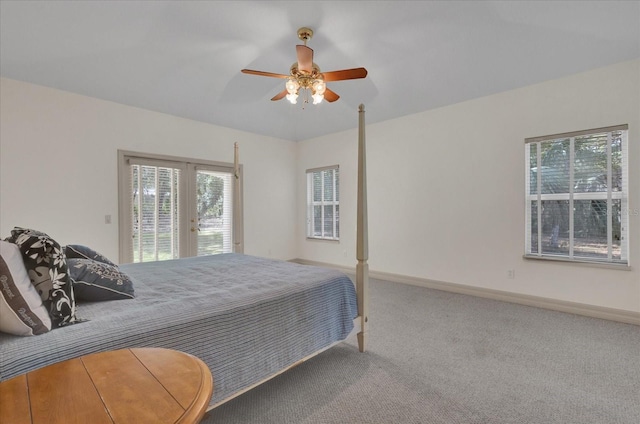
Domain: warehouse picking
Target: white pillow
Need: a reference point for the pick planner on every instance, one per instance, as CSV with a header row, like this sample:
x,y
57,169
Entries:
x,y
21,310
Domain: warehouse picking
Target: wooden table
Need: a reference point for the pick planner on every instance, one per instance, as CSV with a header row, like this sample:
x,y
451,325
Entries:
x,y
146,385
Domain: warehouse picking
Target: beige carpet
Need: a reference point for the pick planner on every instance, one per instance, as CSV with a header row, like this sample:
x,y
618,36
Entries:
x,y
438,357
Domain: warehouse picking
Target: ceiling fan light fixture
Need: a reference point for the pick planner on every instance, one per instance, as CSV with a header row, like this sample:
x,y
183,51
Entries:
x,y
317,98
292,86
293,98
319,86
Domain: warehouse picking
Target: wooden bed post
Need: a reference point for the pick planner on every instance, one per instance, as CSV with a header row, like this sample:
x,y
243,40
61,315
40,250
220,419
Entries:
x,y
362,244
238,246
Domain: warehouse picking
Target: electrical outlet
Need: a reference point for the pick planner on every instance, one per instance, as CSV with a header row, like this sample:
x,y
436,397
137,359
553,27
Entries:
x,y
511,274
107,219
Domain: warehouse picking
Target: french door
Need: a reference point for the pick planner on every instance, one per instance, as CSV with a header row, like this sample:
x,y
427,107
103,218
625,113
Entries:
x,y
172,208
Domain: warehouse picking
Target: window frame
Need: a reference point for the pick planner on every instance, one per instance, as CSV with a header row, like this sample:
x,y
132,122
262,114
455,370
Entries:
x,y
335,203
571,196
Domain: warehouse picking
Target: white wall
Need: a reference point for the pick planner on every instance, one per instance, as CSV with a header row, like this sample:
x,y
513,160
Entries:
x,y
446,189
446,198
58,167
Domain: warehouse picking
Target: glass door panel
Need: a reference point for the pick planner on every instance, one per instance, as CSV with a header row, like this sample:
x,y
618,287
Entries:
x,y
212,217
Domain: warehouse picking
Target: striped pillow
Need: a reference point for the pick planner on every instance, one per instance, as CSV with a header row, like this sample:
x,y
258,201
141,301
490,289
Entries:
x,y
21,310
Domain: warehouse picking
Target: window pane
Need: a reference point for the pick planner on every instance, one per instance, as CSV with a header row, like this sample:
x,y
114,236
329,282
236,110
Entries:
x,y
533,168
337,221
616,161
616,242
534,226
337,178
155,213
135,213
328,221
317,221
328,185
555,227
148,222
213,199
167,224
590,164
590,228
317,186
555,166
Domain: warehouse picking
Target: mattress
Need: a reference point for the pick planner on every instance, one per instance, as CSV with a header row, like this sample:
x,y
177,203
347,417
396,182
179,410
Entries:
x,y
246,317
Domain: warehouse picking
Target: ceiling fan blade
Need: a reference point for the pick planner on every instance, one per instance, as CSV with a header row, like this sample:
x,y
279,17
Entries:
x,y
280,95
330,96
263,74
305,58
345,74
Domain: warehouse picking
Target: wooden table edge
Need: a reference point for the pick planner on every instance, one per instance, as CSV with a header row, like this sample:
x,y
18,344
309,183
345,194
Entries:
x,y
200,404
192,414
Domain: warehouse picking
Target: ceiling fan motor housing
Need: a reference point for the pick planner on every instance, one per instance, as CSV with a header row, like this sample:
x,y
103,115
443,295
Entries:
x,y
305,34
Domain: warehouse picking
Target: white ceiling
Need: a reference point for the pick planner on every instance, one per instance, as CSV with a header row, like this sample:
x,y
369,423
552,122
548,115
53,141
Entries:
x,y
184,58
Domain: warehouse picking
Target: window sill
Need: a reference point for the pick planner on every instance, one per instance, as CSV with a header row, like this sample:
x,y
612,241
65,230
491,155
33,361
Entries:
x,y
595,264
323,239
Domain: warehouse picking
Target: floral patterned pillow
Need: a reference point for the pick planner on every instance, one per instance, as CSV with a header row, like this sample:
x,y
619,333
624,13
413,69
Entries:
x,y
46,266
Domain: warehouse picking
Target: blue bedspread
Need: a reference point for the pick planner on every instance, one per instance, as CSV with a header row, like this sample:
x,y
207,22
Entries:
x,y
245,317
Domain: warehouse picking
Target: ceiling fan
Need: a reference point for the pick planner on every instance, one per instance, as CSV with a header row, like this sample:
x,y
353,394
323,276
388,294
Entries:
x,y
306,74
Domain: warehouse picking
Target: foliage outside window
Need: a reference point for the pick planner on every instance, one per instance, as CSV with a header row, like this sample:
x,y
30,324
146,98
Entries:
x,y
576,194
323,207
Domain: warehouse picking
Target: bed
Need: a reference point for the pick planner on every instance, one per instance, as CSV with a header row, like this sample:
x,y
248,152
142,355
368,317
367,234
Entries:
x,y
244,316
248,318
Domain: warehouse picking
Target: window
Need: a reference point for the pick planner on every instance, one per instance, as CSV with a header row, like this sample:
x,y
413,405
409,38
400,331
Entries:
x,y
173,208
323,207
576,194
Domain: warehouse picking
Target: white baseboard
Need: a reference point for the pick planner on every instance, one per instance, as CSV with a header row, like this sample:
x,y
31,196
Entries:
x,y
619,315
